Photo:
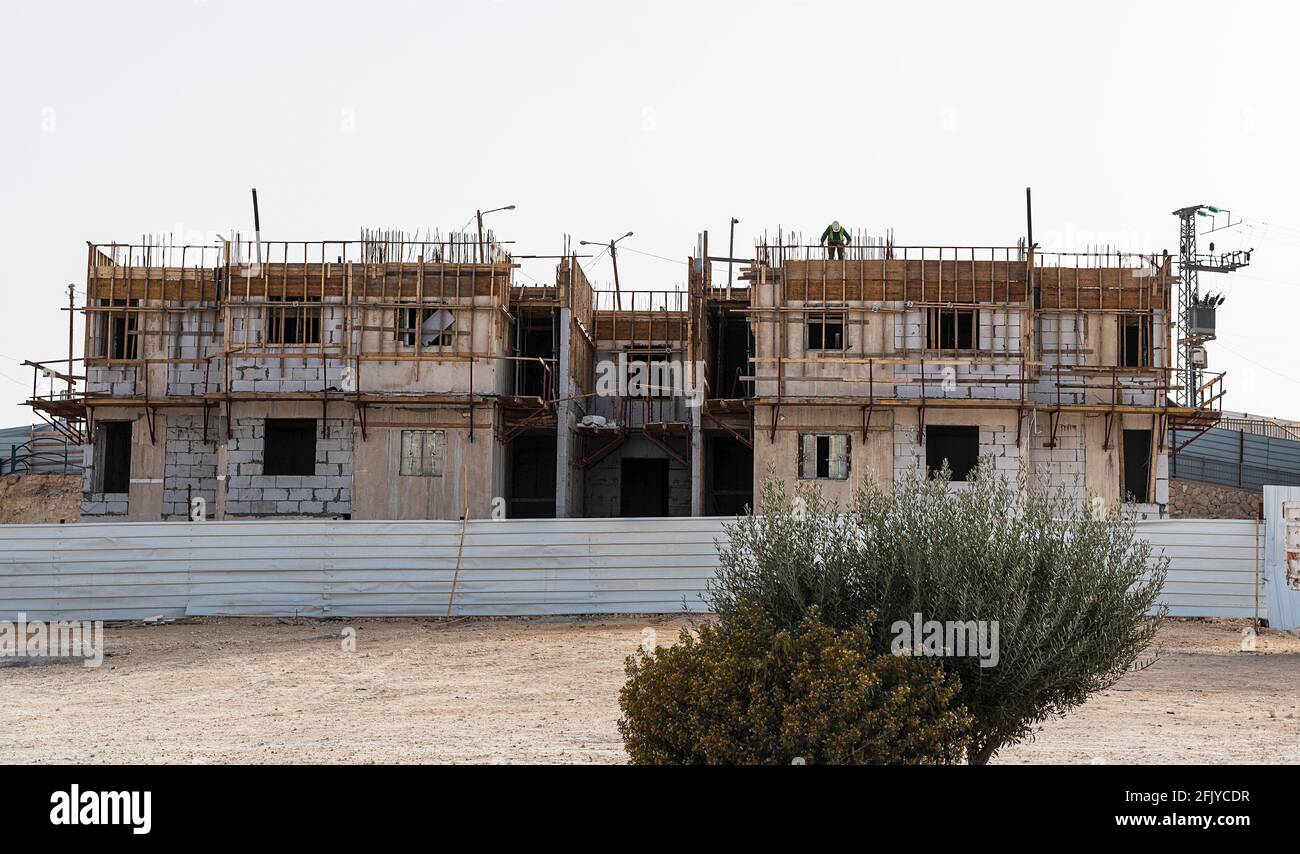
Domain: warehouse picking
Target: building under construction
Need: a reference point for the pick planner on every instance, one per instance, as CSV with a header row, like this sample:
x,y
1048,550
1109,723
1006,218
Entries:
x,y
388,378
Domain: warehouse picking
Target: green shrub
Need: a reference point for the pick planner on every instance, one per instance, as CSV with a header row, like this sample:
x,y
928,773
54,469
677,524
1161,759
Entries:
x,y
1073,593
746,692
795,551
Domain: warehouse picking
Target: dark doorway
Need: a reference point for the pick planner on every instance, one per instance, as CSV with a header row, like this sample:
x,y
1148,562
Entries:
x,y
535,337
289,446
1137,466
734,345
532,477
122,340
958,446
1135,341
114,462
730,476
644,488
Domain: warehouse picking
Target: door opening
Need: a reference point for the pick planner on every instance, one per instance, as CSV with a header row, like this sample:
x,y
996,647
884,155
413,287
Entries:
x,y
1137,466
730,476
644,487
532,477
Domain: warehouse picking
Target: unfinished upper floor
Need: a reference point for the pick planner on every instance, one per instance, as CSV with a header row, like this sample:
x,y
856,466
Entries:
x,y
459,385
893,325
448,320
376,316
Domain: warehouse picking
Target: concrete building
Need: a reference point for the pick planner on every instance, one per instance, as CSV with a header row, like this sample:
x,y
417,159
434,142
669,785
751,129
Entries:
x,y
394,379
893,358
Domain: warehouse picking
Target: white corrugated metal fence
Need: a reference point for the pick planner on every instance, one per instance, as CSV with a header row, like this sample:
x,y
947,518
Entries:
x,y
115,571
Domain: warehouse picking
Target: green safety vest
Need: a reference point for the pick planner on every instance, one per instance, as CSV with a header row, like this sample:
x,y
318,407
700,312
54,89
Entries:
x,y
841,236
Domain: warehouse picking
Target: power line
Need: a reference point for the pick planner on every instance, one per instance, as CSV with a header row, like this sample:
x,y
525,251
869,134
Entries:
x,y
677,261
1254,222
586,270
653,255
1246,358
1284,239
526,273
1270,281
1257,338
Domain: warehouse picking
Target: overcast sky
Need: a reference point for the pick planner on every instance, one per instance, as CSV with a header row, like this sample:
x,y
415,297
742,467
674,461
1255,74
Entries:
x,y
662,118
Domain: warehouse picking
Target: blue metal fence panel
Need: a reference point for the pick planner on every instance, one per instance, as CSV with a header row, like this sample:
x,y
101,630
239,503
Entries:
x,y
1232,458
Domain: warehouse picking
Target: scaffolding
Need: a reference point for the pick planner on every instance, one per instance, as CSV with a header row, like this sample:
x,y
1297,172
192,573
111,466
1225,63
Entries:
x,y
181,325
647,344
792,286
387,320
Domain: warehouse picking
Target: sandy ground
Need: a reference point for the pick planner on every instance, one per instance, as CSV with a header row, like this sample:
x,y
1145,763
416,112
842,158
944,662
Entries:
x,y
540,690
40,498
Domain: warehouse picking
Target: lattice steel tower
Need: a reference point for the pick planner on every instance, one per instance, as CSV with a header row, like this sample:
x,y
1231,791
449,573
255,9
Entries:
x,y
1195,321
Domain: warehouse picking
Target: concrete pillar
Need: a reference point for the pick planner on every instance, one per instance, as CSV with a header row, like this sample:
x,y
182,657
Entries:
x,y
697,460
223,469
147,465
564,423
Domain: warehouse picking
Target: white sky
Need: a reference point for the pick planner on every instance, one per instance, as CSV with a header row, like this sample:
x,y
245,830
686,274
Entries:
x,y
662,118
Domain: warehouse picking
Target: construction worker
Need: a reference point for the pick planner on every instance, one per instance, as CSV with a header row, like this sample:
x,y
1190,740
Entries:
x,y
835,238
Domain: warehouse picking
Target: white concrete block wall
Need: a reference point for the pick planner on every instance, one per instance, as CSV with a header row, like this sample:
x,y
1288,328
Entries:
x,y
1162,477
196,335
1059,331
1140,392
190,464
328,491
98,503
302,373
909,454
1159,509
286,375
910,330
1000,331
997,442
1061,469
119,381
104,504
1077,331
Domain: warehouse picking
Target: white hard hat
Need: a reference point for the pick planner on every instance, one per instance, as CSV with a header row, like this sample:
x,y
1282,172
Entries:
x,y
836,225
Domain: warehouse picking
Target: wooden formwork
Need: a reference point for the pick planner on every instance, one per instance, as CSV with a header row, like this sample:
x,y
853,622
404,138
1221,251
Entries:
x,y
791,285
288,288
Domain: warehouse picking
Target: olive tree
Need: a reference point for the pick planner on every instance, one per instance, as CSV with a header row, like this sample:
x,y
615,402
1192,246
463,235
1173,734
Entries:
x,y
1071,593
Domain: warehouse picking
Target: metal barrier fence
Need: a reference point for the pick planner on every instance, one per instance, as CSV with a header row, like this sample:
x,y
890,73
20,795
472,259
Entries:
x,y
1236,458
137,570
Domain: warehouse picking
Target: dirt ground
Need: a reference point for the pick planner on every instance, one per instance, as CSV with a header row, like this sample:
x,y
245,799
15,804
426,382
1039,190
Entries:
x,y
37,498
541,690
